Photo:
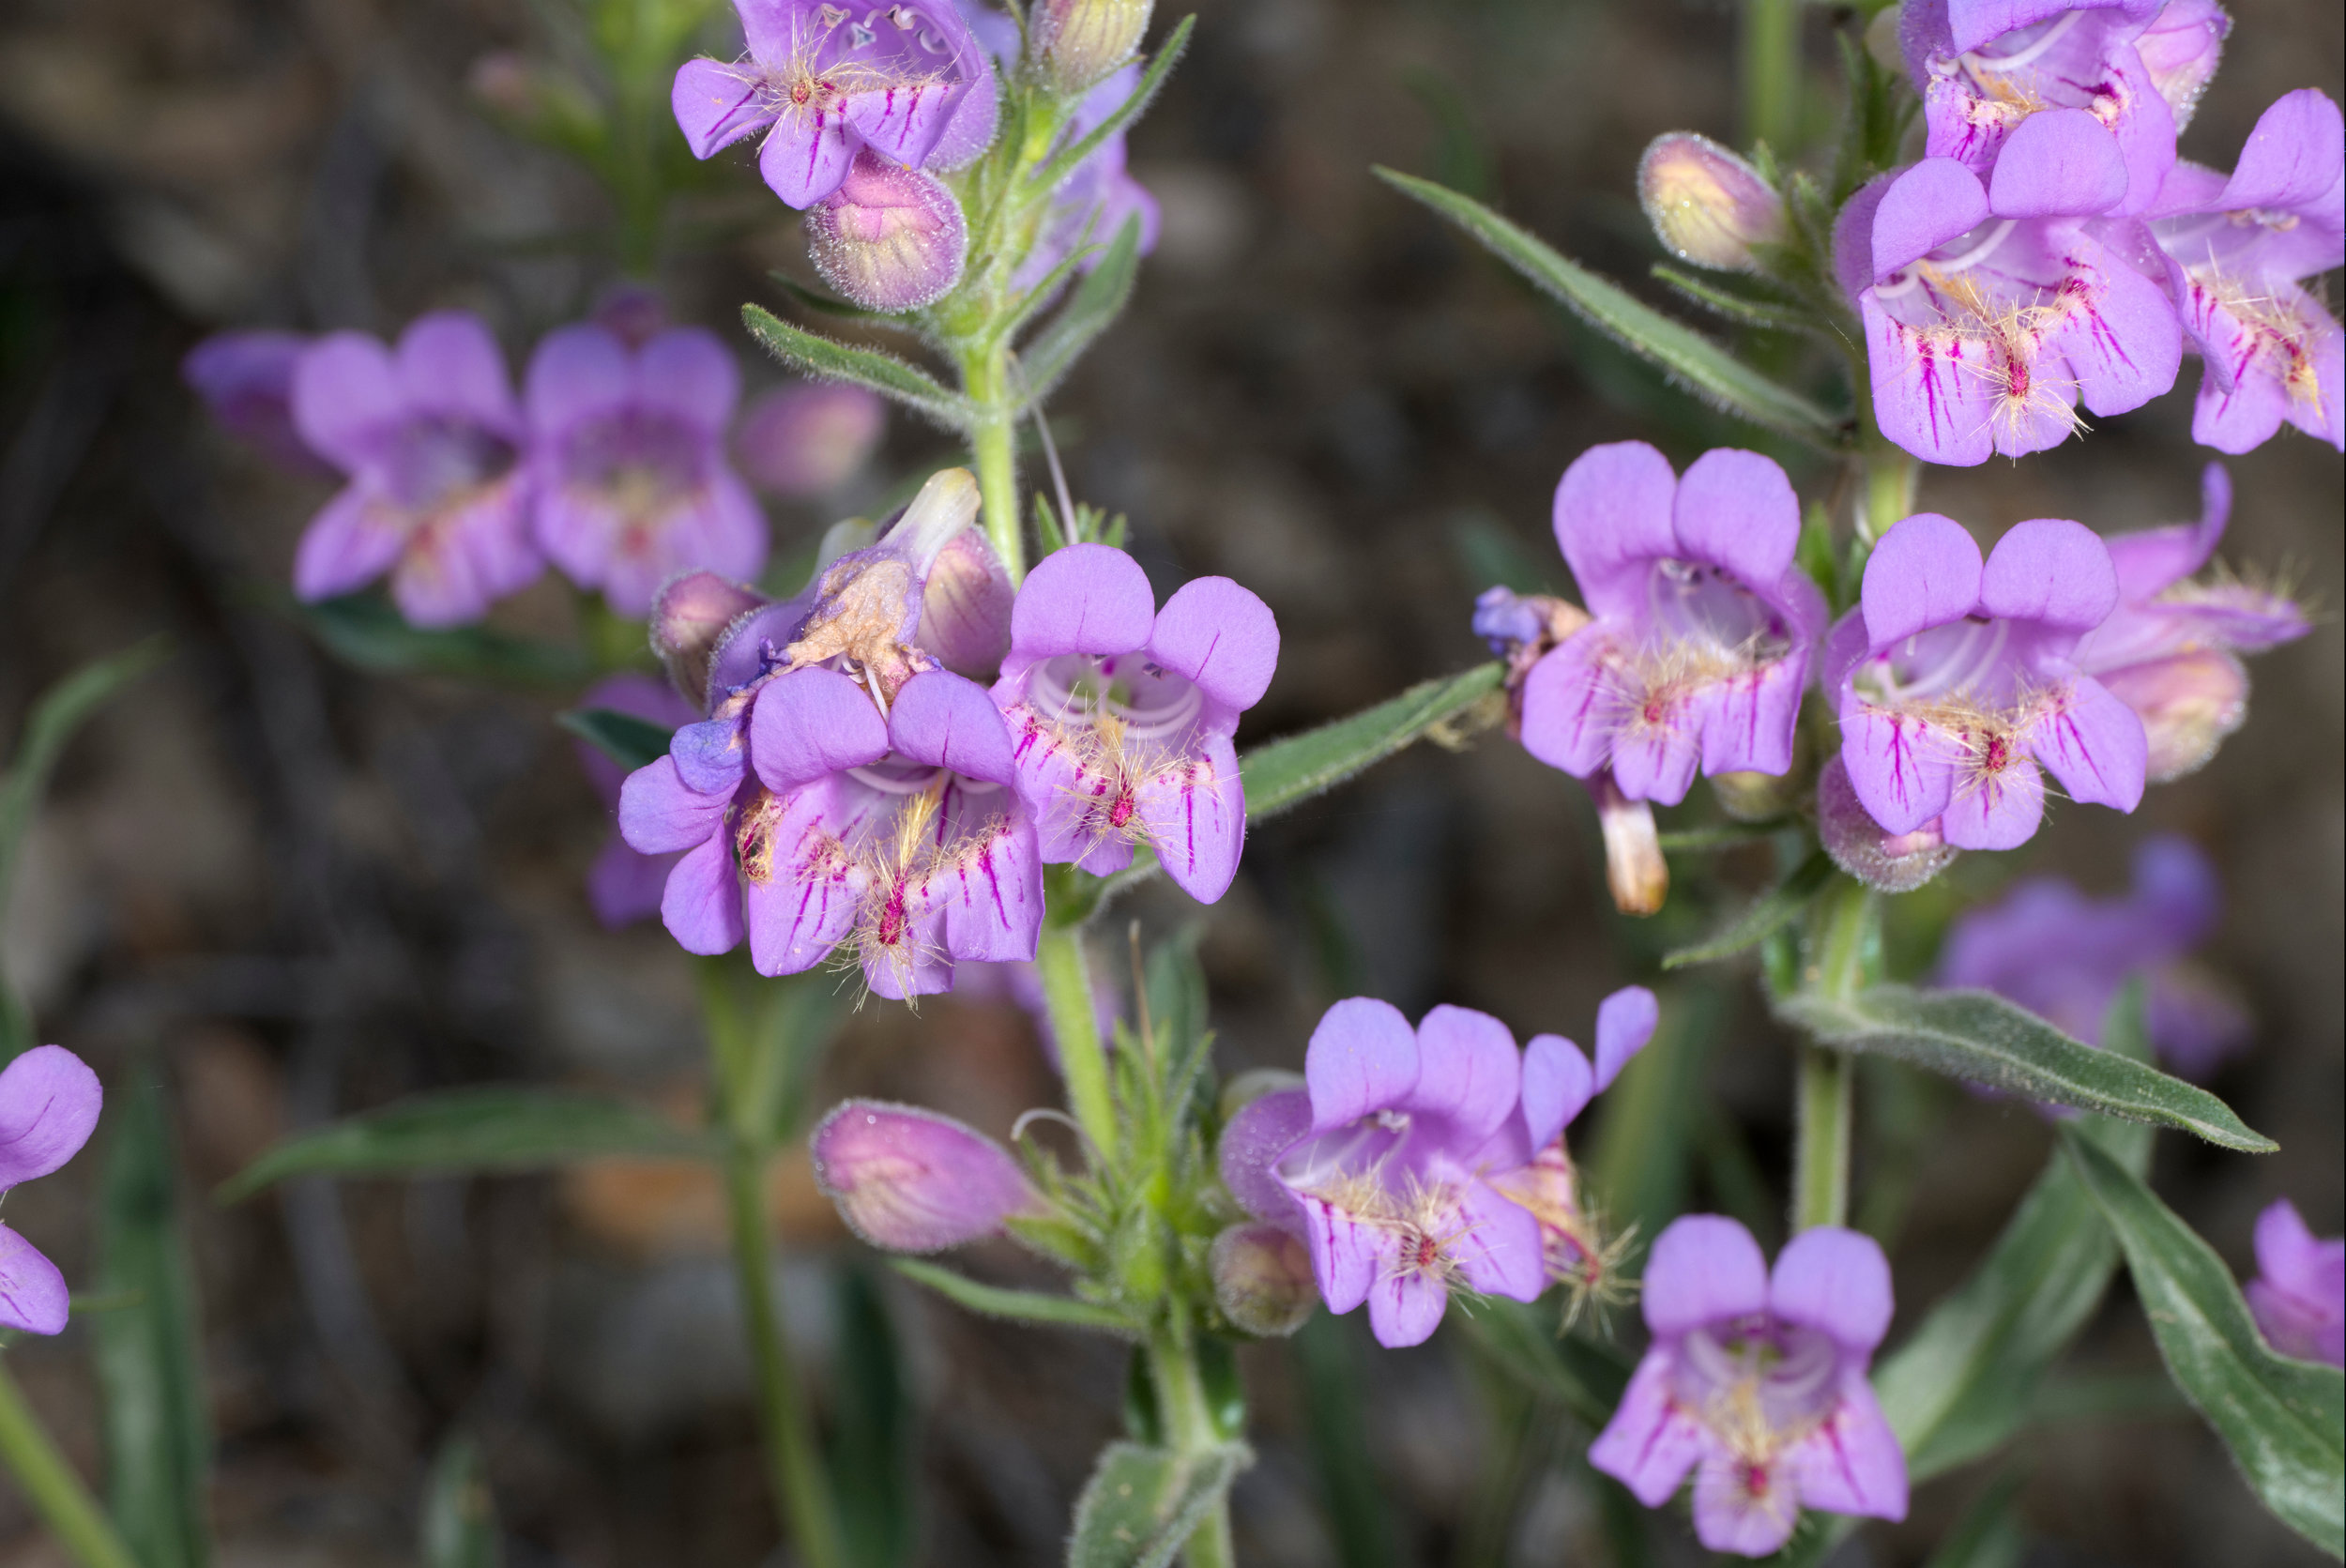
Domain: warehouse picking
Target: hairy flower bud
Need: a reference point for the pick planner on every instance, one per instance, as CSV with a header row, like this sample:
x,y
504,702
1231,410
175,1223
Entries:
x,y
2188,704
1262,1279
688,618
965,607
808,440
1708,206
1635,870
1077,43
1889,863
889,238
912,1181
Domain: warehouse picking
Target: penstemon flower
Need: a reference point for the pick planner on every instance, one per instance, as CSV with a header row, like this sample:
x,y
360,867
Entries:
x,y
434,448
1703,626
2299,1294
49,1103
1122,713
1989,316
630,482
2235,249
2171,650
824,80
2063,956
1384,1163
246,380
908,1179
845,789
1954,681
622,886
1756,1382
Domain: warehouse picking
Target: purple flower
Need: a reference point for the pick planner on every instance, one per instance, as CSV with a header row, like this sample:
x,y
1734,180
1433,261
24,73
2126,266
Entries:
x,y
806,441
1954,681
907,1179
845,789
1757,1384
889,238
246,380
1706,205
623,886
1701,641
2049,100
627,452
2299,1294
1122,713
2171,648
49,1103
1383,1162
824,80
2182,50
1989,318
2064,957
2235,249
434,445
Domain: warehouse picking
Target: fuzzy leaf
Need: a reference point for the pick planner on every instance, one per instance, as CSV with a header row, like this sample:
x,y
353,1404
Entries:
x,y
1142,1503
1025,1306
630,741
884,373
490,1129
367,630
1098,301
2284,1420
1286,772
1692,361
1775,909
460,1517
1981,1037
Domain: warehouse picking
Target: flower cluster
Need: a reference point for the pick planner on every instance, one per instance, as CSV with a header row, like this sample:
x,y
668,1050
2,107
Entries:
x,y
613,464
852,786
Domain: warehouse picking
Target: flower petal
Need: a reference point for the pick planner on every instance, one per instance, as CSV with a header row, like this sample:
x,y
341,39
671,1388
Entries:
x,y
1499,1249
1085,598
1735,509
1612,520
1557,1083
947,721
1997,811
49,1103
2296,155
1406,1306
2058,163
1572,703
1932,203
33,1294
346,391
1924,573
575,373
659,814
989,890
1469,1074
1851,1463
1349,1255
805,902
1732,1516
1836,1281
2096,745
623,886
716,104
1252,1142
1652,1440
1751,716
913,1180
805,157
449,364
2156,558
1363,1058
2047,569
811,723
355,538
2122,339
687,371
1934,389
1624,1022
1703,1268
1222,637
701,907
1900,765
1197,817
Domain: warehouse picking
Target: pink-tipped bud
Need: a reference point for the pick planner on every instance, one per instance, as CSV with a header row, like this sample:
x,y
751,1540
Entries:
x,y
2188,704
688,618
889,238
1888,862
1078,44
965,607
1262,1279
1635,872
911,1181
806,441
1708,206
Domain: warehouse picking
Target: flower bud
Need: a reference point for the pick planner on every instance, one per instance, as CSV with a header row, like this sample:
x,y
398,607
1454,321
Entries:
x,y
889,238
2181,52
689,617
965,607
1708,206
809,440
1262,1279
1889,863
1635,870
1076,44
911,1181
2187,705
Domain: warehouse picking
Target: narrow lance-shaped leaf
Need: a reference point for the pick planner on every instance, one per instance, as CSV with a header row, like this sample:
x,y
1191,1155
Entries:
x,y
630,741
1981,1037
2284,1420
873,1450
460,1517
1694,362
1098,301
1142,1503
883,373
1024,1306
490,1129
366,631
1775,909
157,1419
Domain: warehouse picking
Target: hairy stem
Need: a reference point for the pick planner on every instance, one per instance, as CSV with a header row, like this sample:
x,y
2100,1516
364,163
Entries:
x,y
1067,992
994,448
1771,73
55,1492
1189,1431
1845,942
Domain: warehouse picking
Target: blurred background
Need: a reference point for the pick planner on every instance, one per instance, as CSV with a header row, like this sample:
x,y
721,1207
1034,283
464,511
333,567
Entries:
x,y
295,889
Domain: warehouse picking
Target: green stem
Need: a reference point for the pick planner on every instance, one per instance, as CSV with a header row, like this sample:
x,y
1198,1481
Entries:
x,y
994,447
57,1493
1845,944
1771,73
1082,1060
1190,1430
806,1507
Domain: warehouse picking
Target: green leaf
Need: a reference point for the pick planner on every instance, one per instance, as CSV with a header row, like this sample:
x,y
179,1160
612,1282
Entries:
x,y
1566,1370
883,373
630,741
1982,1038
1096,303
1286,772
60,711
1358,1514
1988,1535
816,300
1775,909
1024,1306
874,1451
150,1355
367,630
1691,360
460,1517
1068,158
1764,315
500,1128
1142,1503
2284,1420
